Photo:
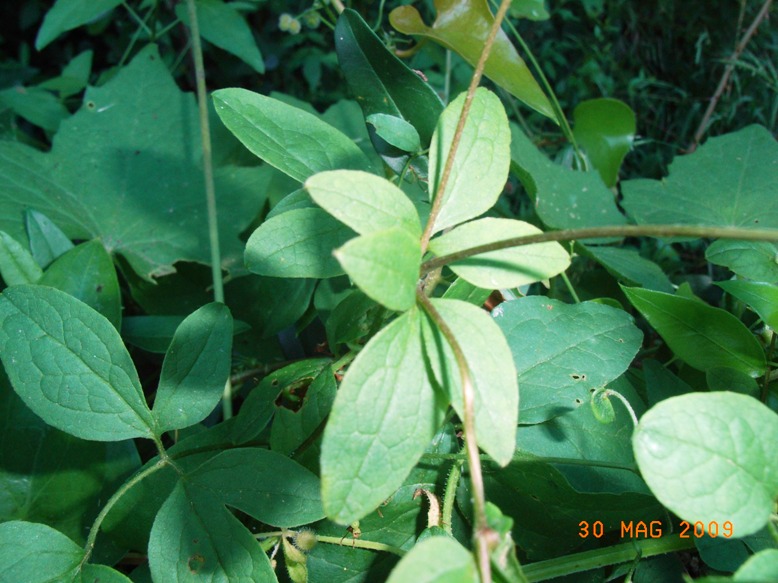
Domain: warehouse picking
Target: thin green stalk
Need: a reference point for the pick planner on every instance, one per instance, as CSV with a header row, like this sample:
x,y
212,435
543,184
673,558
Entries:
x,y
768,375
140,476
519,458
210,187
588,560
570,287
437,202
471,443
142,22
658,231
134,39
450,495
353,543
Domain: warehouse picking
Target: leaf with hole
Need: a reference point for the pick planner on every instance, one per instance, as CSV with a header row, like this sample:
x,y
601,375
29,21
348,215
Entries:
x,y
710,457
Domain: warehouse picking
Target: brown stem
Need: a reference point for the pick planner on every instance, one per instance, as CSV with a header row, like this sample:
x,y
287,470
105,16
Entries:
x,y
597,232
479,70
741,46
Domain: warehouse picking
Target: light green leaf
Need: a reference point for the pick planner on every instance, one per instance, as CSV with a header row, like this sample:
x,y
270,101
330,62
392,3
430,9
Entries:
x,y
69,14
529,9
91,573
395,131
297,243
68,364
699,334
730,181
385,265
463,26
365,202
605,129
195,369
87,273
47,241
17,265
761,296
491,368
385,414
759,568
563,198
467,292
222,25
507,268
215,545
481,164
157,217
629,267
296,142
438,559
36,553
710,457
36,105
562,352
757,260
602,408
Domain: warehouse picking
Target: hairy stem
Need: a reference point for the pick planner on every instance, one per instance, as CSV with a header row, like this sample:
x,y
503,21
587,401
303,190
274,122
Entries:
x,y
353,543
598,232
437,201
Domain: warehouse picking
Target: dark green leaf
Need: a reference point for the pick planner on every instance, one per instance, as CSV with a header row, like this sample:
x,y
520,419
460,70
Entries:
x,y
69,14
529,9
47,241
298,243
86,272
699,334
68,364
74,77
37,106
195,369
152,333
297,143
710,457
463,26
628,266
761,296
757,260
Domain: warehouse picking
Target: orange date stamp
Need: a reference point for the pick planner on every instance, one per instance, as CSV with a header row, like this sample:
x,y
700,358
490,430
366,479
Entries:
x,y
655,529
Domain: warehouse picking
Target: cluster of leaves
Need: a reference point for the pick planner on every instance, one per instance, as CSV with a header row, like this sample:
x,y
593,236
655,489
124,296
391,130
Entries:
x,y
644,405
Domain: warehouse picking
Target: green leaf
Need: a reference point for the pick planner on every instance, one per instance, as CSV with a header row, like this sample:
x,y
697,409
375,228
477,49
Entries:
x,y
381,82
222,25
74,77
36,105
385,265
757,260
629,267
69,14
365,202
699,334
351,319
507,268
728,182
467,292
721,378
36,553
216,545
68,364
482,158
298,243
761,296
47,241
463,26
602,408
529,9
491,368
17,265
710,457
297,143
759,568
87,273
605,129
438,559
563,198
395,131
195,369
117,165
384,416
151,333
562,352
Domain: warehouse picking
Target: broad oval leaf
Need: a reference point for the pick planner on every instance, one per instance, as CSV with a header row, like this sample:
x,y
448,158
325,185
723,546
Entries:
x,y
69,14
463,26
699,334
481,163
365,202
297,243
492,372
36,553
757,260
384,265
761,296
605,128
438,559
196,368
710,457
564,351
294,141
395,131
730,181
506,268
385,414
17,265
69,365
